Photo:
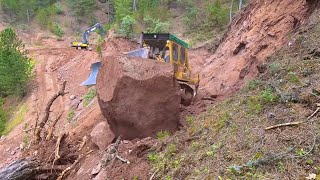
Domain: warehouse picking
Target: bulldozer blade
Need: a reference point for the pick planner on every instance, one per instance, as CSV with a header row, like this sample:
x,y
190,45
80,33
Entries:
x,y
187,94
92,80
141,53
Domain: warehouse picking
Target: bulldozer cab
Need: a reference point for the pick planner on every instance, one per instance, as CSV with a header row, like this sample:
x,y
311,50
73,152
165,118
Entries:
x,y
168,48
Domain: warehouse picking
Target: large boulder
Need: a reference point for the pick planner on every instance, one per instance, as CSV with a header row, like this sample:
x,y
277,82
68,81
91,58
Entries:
x,y
102,136
138,97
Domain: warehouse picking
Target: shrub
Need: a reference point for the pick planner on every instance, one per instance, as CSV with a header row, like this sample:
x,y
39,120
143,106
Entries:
x,y
57,30
268,96
155,25
218,15
126,26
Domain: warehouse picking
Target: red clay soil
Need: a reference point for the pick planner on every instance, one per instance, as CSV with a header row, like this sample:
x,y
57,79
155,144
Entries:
x,y
253,35
138,97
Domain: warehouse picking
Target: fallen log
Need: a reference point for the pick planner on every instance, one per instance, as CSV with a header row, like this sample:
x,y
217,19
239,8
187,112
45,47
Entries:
x,y
29,169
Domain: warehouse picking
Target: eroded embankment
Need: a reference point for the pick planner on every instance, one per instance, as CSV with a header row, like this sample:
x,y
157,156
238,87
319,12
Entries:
x,y
256,33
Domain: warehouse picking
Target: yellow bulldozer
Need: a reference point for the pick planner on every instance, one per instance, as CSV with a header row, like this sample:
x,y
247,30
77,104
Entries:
x,y
170,49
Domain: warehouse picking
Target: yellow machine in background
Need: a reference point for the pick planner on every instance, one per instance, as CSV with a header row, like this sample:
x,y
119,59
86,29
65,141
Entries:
x,y
170,49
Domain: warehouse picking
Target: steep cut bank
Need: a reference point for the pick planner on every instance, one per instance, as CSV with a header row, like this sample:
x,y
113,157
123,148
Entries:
x,y
253,36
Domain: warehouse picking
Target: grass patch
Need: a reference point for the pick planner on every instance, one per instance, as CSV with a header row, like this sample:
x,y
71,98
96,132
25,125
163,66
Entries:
x,y
87,98
16,120
70,115
163,135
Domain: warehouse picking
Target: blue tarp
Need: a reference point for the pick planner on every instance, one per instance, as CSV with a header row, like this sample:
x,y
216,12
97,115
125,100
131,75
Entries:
x,y
92,80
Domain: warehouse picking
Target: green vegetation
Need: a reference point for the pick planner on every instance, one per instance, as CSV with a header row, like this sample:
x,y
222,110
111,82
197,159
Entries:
x,y
83,10
15,66
204,21
163,135
70,115
22,10
87,98
16,120
15,72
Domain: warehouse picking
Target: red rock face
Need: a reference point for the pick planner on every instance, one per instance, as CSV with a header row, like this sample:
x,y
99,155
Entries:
x,y
138,97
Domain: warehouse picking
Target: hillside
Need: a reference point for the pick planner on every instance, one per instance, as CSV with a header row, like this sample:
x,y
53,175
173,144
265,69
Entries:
x,y
255,115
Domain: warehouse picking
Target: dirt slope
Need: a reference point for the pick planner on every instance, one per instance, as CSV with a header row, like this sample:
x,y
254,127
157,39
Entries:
x,y
254,34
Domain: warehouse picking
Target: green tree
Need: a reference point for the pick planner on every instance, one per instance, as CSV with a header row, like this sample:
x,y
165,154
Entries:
x,y
23,10
126,26
82,9
15,66
123,8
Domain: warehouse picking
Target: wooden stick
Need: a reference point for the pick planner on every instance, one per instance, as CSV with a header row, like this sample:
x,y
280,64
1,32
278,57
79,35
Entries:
x,y
84,141
57,149
51,128
64,172
153,175
284,124
313,114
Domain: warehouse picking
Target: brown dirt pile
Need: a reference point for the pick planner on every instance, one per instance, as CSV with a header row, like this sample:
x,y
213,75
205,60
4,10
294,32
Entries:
x,y
138,97
254,34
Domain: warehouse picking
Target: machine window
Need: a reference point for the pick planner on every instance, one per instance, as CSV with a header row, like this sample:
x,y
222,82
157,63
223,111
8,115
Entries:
x,y
166,54
175,51
182,55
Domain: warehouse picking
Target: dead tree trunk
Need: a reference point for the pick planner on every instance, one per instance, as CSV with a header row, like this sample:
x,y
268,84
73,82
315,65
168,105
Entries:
x,y
30,169
19,170
45,118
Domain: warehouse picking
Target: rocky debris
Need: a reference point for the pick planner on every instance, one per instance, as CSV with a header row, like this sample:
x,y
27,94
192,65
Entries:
x,y
138,97
74,103
102,136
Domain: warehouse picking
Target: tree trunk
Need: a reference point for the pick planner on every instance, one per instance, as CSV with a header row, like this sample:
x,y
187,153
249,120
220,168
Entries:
x,y
231,7
29,169
240,4
134,6
19,170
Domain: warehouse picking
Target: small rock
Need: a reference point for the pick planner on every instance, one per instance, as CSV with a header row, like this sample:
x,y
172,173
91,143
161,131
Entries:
x,y
271,116
22,146
35,153
13,152
8,149
102,135
75,103
272,34
17,148
72,97
81,106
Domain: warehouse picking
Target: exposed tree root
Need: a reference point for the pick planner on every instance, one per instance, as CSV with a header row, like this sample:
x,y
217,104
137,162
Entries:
x,y
64,172
110,156
83,143
57,149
